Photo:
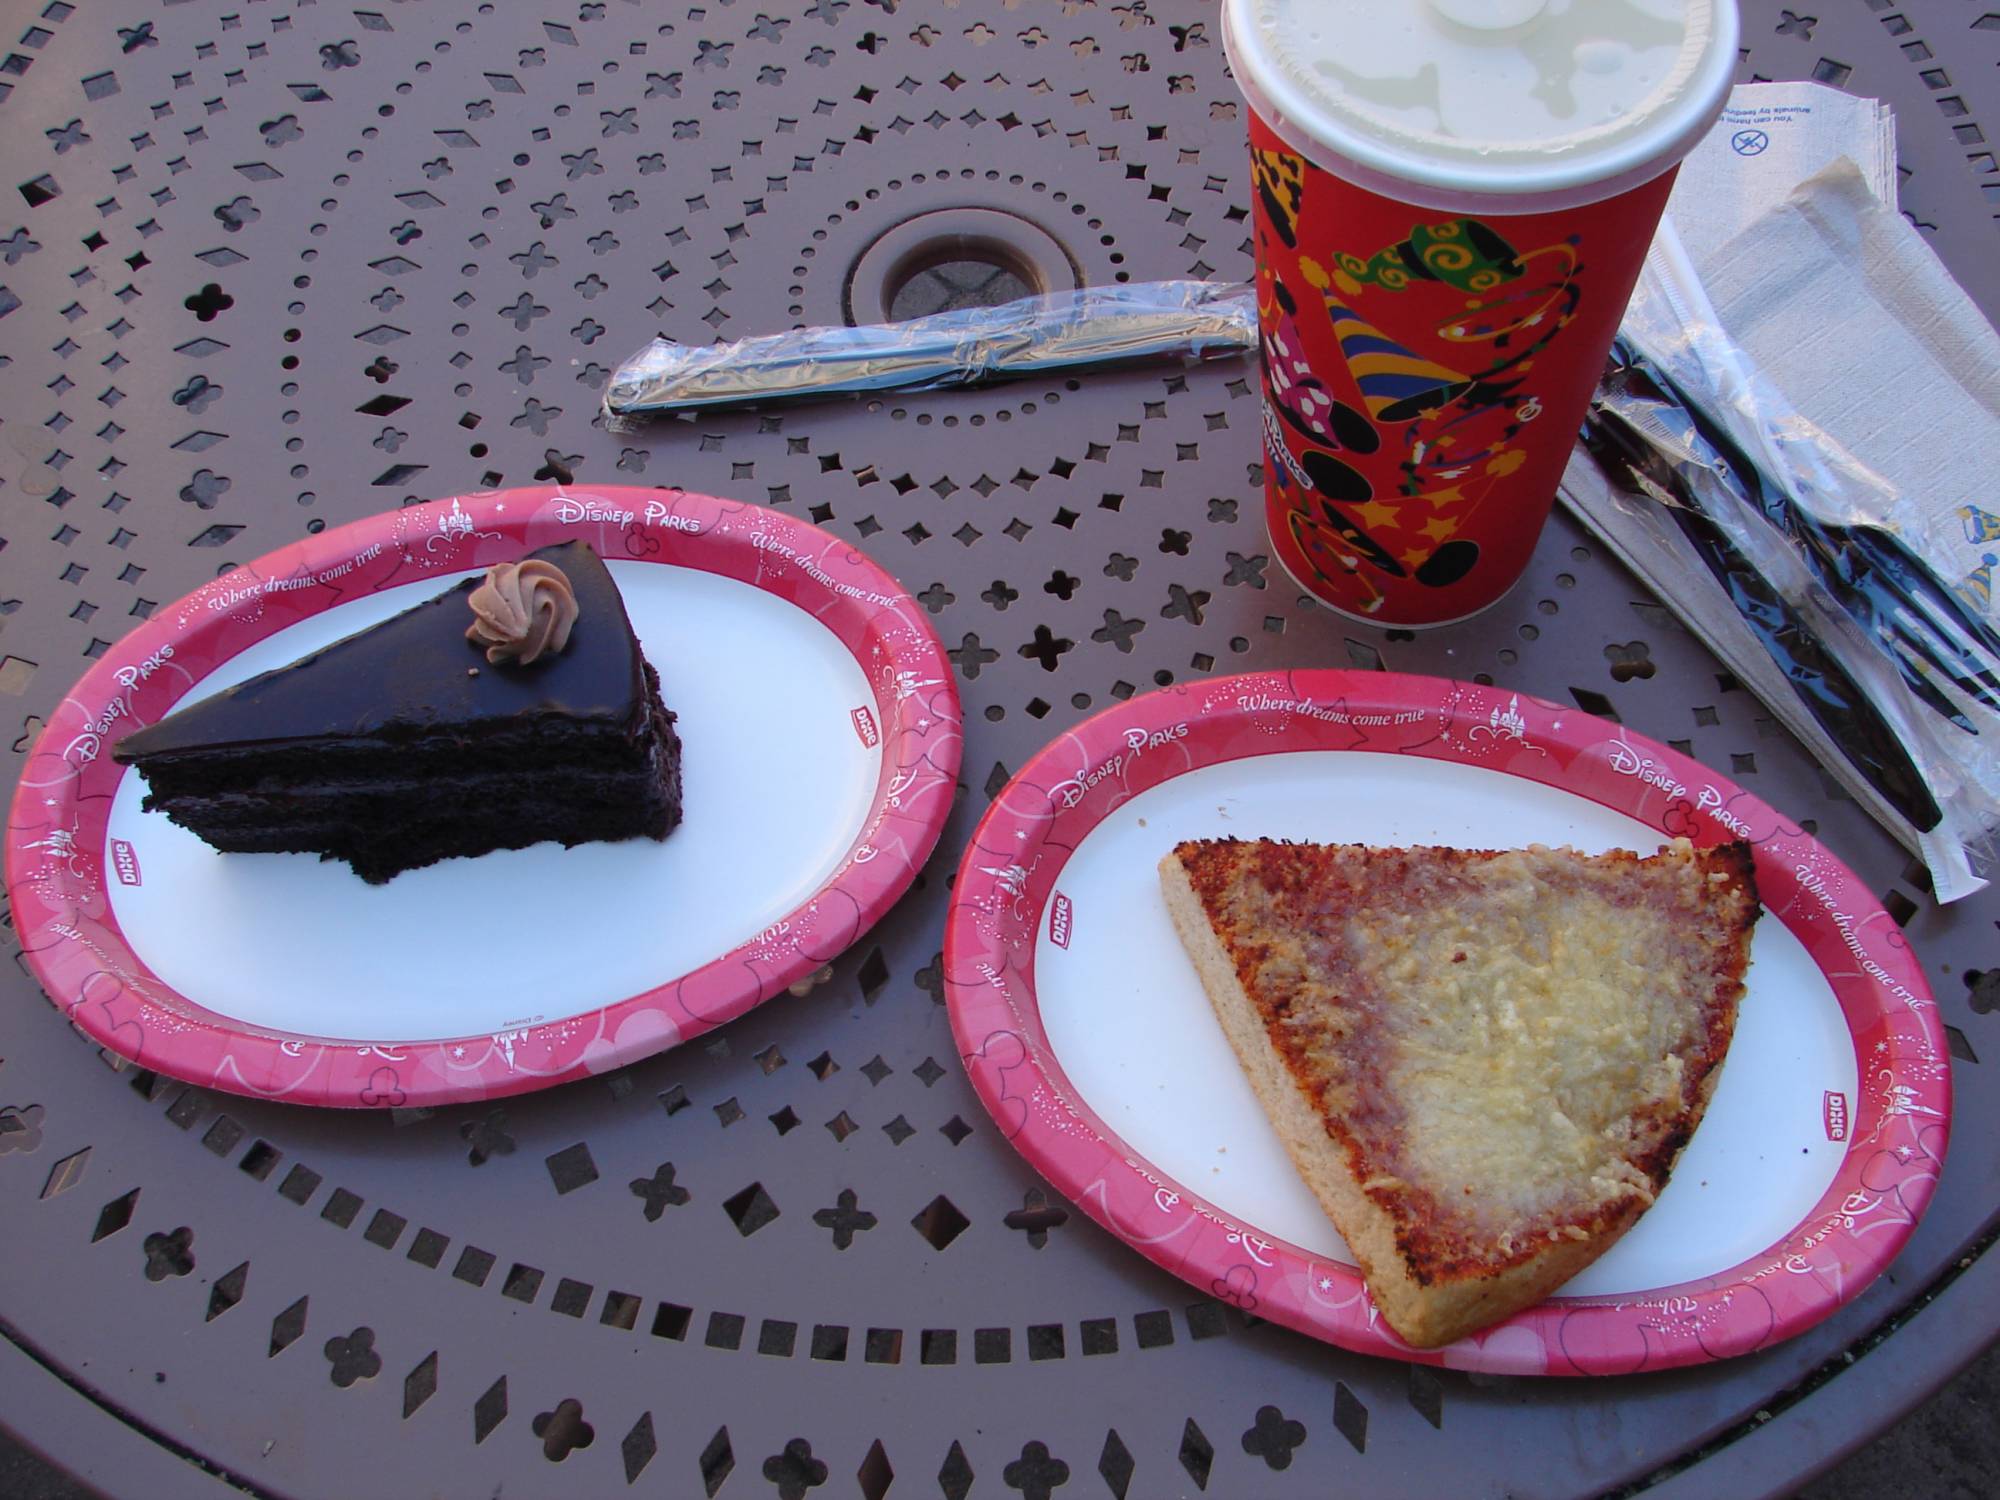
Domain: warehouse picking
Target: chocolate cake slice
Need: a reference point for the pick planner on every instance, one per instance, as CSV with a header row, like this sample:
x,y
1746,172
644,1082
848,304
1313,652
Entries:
x,y
490,717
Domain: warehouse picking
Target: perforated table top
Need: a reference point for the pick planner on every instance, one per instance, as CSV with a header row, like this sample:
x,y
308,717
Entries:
x,y
271,265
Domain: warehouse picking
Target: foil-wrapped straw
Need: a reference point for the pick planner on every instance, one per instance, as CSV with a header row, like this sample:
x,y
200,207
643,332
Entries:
x,y
1090,328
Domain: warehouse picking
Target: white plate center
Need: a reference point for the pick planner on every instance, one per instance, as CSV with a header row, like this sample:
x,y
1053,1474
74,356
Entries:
x,y
1129,1022
776,787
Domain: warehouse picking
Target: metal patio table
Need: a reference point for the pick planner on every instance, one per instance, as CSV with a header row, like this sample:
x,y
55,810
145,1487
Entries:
x,y
271,265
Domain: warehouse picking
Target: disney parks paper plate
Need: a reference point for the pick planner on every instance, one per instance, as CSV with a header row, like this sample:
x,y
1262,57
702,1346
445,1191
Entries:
x,y
1088,1036
820,749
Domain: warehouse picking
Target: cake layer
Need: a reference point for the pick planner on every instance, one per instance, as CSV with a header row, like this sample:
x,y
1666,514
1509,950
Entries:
x,y
402,775
401,822
420,842
376,857
484,750
465,804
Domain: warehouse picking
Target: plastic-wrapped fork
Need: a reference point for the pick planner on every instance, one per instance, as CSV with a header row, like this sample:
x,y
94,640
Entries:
x,y
1924,624
1646,441
1926,629
1933,621
1771,540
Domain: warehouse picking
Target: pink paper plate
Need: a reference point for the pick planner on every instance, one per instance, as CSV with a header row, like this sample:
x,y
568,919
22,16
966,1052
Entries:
x,y
1087,1035
821,744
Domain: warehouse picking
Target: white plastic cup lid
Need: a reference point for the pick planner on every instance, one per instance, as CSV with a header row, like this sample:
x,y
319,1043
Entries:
x,y
1549,102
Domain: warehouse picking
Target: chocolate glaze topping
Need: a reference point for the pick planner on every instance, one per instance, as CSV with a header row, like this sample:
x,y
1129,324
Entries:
x,y
394,680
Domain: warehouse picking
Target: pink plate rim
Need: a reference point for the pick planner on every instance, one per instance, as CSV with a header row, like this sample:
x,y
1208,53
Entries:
x,y
58,861
1896,1128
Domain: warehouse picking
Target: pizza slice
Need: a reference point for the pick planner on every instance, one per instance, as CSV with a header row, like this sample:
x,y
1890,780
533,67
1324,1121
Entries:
x,y
1483,1063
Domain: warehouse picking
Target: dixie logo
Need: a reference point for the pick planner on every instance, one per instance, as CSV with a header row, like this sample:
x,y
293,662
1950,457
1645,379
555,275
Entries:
x,y
1836,1116
864,726
1060,912
125,860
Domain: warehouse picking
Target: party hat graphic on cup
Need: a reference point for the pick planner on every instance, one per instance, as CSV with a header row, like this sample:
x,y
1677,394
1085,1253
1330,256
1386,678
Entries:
x,y
1396,383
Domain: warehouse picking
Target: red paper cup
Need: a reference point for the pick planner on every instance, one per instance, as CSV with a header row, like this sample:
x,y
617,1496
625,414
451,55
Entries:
x,y
1431,335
